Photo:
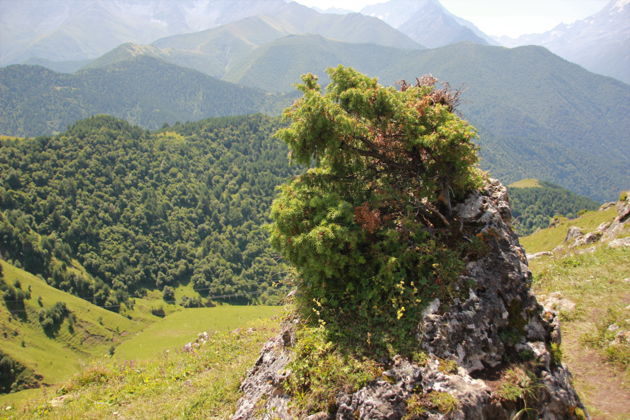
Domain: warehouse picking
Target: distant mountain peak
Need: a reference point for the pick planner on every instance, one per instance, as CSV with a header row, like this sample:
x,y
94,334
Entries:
x,y
427,22
599,42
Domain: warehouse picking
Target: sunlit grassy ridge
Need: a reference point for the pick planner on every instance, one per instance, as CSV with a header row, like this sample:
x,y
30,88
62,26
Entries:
x,y
98,331
548,239
535,203
526,183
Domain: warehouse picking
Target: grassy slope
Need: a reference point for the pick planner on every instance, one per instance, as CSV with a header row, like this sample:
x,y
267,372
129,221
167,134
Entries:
x,y
95,330
203,384
526,183
181,327
548,239
597,282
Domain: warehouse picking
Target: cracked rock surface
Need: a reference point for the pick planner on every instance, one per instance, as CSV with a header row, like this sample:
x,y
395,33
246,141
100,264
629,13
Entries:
x,y
496,319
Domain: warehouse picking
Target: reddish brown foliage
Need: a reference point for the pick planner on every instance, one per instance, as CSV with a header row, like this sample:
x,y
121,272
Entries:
x,y
368,219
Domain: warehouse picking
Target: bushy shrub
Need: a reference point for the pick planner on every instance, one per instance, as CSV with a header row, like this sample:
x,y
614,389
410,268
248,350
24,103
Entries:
x,y
168,294
367,226
158,312
52,318
191,302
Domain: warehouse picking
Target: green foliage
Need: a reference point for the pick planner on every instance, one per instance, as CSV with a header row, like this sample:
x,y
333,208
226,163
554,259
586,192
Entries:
x,y
168,294
364,227
108,210
447,366
534,206
623,196
14,376
443,402
517,385
611,335
191,302
320,370
556,354
159,311
51,319
14,298
418,405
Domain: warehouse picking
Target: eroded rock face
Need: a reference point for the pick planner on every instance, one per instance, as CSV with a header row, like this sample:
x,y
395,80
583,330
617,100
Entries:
x,y
487,332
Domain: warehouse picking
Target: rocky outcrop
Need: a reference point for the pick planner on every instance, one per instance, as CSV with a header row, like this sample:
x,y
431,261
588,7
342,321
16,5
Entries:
x,y
620,224
573,234
496,332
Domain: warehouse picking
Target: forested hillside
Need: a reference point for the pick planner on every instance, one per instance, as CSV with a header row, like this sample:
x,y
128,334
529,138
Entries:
x,y
107,209
143,90
535,203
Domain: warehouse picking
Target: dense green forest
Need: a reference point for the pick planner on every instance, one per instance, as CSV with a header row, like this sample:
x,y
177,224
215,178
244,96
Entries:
x,y
107,210
534,204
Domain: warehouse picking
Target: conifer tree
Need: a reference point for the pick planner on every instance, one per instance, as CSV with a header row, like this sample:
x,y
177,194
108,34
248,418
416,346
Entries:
x,y
367,225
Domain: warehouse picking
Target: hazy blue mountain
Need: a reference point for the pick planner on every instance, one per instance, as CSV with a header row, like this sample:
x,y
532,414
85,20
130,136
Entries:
x,y
426,22
354,27
600,43
62,30
333,10
277,66
219,51
144,90
58,66
294,19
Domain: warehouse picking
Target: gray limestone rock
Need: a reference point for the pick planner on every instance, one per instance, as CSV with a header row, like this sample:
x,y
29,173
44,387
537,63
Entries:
x,y
538,255
495,325
573,234
619,243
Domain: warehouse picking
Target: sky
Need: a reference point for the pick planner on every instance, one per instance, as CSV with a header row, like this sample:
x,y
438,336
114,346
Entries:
x,y
499,17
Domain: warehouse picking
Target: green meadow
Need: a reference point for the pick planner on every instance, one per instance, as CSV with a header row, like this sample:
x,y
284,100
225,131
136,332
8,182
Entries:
x,y
175,330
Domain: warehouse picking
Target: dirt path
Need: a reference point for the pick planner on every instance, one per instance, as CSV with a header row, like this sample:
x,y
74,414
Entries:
x,y
601,386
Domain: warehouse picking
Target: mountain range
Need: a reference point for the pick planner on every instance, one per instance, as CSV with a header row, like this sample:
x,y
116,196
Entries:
x,y
143,90
600,43
63,35
427,22
536,113
62,30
